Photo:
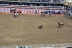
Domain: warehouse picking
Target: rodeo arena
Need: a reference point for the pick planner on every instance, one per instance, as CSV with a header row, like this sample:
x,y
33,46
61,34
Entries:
x,y
35,26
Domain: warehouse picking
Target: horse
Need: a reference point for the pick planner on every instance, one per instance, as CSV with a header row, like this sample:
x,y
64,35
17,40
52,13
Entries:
x,y
19,11
40,27
60,24
43,14
13,10
16,11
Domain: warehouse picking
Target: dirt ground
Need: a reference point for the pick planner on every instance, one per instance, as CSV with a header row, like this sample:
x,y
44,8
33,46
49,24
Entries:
x,y
24,30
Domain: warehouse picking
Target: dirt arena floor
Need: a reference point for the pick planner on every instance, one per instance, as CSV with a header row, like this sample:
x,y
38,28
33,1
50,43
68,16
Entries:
x,y
24,30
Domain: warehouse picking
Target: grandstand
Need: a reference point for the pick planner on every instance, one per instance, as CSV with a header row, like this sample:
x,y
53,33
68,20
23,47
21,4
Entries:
x,y
68,2
34,2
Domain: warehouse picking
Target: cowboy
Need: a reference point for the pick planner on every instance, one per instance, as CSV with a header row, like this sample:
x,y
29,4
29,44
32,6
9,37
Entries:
x,y
15,14
44,14
40,27
50,13
41,14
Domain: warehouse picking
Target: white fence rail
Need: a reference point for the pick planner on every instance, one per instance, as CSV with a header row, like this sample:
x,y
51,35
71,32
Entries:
x,y
65,45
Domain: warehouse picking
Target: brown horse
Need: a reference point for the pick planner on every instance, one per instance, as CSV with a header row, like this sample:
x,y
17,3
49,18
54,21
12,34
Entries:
x,y
12,10
19,11
15,11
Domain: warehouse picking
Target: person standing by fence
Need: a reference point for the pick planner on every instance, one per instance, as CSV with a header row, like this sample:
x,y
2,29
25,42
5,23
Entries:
x,y
15,14
50,13
43,14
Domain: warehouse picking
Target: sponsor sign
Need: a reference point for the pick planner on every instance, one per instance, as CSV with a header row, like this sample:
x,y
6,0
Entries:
x,y
7,9
1,9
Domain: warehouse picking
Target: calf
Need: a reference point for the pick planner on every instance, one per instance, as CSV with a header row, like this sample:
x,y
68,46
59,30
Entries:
x,y
60,24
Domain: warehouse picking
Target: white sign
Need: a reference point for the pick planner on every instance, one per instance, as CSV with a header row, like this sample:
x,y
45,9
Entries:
x,y
34,10
18,9
22,10
31,10
25,10
40,11
1,9
28,10
7,9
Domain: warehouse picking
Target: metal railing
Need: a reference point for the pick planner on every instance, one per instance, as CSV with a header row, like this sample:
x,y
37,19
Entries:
x,y
64,45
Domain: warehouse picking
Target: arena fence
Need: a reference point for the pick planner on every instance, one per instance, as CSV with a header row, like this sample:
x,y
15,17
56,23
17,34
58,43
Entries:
x,y
65,45
33,10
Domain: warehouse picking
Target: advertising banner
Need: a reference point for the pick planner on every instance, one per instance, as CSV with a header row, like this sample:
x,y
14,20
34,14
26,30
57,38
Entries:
x,y
34,10
22,10
7,9
31,10
1,9
19,9
25,10
37,11
40,11
28,10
